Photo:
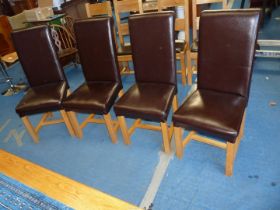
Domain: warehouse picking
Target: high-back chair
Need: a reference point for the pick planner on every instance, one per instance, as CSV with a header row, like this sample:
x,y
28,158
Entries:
x,y
124,7
196,6
155,73
48,86
181,24
98,9
97,51
65,44
217,107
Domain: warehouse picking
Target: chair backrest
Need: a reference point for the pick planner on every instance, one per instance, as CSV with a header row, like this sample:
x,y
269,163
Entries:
x,y
196,4
122,7
153,47
227,41
63,39
37,55
97,49
181,21
98,9
68,23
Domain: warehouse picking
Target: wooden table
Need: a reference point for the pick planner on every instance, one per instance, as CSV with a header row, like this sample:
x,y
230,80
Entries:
x,y
58,187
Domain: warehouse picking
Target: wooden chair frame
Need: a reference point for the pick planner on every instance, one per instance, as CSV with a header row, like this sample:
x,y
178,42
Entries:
x,y
192,56
231,148
111,125
34,131
181,24
123,6
167,132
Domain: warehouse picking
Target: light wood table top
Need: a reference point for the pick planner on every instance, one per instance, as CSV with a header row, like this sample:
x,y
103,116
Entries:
x,y
58,187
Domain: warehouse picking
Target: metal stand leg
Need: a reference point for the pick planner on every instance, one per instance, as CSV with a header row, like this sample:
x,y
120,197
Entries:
x,y
13,89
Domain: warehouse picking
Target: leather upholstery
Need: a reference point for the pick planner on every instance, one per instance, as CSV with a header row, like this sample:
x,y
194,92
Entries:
x,y
152,39
93,97
230,50
212,112
41,65
42,99
147,101
97,51
153,51
38,56
224,74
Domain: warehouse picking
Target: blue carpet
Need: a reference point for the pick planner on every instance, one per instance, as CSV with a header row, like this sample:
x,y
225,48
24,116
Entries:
x,y
14,195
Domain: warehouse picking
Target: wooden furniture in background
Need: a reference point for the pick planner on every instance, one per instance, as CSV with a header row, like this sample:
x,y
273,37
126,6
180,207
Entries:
x,y
197,7
5,39
98,9
75,8
65,44
181,24
65,190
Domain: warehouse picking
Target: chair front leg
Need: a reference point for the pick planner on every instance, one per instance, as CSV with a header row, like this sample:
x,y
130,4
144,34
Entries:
x,y
110,127
178,142
124,129
67,122
165,137
30,129
230,150
75,124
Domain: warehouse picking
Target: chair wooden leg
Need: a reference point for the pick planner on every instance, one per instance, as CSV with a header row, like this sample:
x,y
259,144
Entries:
x,y
189,68
230,153
110,127
178,142
175,103
30,129
75,124
67,122
166,143
124,130
183,68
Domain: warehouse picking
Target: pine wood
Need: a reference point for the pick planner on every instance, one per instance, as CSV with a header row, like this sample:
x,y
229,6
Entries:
x,y
102,8
30,129
195,23
58,187
124,130
110,127
181,24
165,137
33,131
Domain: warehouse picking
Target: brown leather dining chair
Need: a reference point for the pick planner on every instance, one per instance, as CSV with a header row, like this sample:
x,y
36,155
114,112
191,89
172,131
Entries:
x,y
97,51
155,73
48,86
217,107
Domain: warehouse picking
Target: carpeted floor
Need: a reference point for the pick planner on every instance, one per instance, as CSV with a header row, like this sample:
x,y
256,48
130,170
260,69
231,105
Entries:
x,y
195,182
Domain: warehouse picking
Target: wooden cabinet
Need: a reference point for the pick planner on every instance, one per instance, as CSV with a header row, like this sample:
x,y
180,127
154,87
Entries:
x,y
6,45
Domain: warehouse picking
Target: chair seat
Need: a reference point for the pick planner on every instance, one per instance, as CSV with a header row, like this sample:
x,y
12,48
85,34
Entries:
x,y
218,113
124,50
42,99
146,101
93,97
180,46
